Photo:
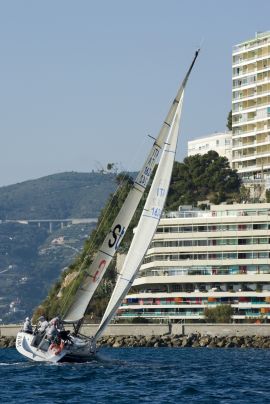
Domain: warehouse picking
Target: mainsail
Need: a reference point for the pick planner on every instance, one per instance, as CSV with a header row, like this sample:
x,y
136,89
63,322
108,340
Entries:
x,y
147,224
101,261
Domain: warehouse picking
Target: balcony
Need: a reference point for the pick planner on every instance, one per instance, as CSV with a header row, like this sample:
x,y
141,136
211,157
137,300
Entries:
x,y
241,157
262,40
186,314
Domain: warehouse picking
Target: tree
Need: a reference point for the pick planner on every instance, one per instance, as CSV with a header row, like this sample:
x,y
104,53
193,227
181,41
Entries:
x,y
229,120
244,195
219,314
202,177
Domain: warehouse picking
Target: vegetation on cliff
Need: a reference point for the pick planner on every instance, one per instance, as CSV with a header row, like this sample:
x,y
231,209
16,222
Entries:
x,y
200,178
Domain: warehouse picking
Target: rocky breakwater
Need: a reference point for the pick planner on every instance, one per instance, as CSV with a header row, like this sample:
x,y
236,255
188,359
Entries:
x,y
192,340
172,341
7,342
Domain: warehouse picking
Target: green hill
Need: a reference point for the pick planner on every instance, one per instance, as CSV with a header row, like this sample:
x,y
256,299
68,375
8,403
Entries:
x,y
57,196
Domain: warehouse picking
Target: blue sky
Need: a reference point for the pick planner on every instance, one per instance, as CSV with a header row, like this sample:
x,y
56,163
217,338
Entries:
x,y
82,83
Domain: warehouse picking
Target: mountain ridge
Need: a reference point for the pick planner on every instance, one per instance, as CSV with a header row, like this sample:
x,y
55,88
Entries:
x,y
57,196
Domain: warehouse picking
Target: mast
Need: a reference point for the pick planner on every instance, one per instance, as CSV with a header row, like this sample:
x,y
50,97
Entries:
x,y
96,270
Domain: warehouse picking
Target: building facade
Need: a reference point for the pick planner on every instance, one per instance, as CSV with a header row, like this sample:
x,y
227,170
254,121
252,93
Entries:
x,y
221,142
251,108
200,259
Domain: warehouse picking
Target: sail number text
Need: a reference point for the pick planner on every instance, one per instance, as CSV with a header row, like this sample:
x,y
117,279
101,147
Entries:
x,y
148,168
156,212
117,233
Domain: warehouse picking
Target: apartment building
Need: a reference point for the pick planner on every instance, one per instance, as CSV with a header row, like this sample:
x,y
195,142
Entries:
x,y
251,108
221,142
199,259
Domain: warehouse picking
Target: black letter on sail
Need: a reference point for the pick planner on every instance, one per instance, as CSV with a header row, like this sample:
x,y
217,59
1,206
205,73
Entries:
x,y
115,234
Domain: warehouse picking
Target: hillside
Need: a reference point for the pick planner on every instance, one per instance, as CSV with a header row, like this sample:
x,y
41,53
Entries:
x,y
33,255
57,196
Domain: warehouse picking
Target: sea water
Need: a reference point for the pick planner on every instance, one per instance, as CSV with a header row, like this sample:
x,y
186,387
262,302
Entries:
x,y
141,375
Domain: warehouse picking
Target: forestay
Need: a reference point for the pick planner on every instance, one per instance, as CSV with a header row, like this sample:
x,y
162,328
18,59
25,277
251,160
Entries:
x,y
95,272
147,224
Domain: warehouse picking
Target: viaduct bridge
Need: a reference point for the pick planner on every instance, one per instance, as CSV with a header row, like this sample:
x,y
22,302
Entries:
x,y
51,222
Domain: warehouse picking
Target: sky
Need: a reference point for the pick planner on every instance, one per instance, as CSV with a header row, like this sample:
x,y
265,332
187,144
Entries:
x,y
83,83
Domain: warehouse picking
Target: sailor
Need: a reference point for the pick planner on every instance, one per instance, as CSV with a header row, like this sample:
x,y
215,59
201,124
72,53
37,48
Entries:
x,y
42,324
52,332
62,333
27,326
58,323
40,330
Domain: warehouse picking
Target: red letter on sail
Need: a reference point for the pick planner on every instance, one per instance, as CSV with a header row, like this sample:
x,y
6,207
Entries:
x,y
100,268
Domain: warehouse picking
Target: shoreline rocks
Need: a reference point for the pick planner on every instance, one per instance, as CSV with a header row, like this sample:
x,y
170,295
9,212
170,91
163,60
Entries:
x,y
7,342
173,341
184,341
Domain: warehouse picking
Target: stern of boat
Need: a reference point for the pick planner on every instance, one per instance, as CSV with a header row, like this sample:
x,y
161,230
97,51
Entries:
x,y
42,353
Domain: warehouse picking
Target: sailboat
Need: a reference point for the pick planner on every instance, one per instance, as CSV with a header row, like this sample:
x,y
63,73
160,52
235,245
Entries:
x,y
78,347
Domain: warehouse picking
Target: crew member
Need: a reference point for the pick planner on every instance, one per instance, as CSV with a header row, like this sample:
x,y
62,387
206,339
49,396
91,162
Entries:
x,y
27,326
42,324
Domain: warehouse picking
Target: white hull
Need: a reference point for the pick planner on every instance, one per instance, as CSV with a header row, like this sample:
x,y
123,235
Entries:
x,y
77,351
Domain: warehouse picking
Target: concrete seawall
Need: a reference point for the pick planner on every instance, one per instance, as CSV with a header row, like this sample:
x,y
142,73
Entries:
x,y
163,329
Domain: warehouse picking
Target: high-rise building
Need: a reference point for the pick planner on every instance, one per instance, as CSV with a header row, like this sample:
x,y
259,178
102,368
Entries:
x,y
251,108
221,142
200,259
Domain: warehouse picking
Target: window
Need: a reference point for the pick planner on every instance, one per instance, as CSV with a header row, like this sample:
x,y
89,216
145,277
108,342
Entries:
x,y
186,229
187,243
242,241
263,240
259,226
202,242
201,256
202,228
